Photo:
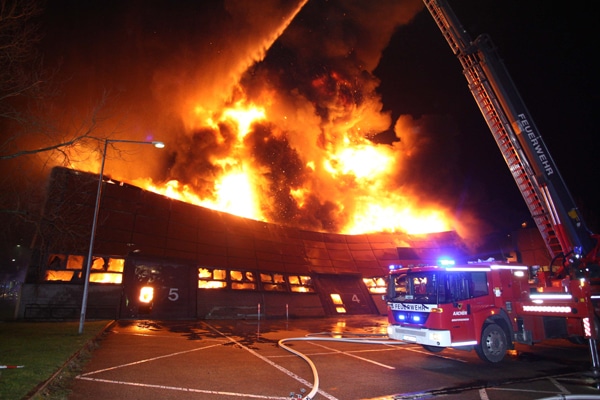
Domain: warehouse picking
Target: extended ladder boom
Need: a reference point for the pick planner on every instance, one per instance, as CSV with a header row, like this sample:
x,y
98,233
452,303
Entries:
x,y
546,194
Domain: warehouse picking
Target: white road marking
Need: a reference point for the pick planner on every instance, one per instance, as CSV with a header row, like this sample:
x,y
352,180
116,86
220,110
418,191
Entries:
x,y
279,367
148,360
562,389
87,376
354,356
182,389
324,353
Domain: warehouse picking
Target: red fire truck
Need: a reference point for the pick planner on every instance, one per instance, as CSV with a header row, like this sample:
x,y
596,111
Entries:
x,y
489,307
485,306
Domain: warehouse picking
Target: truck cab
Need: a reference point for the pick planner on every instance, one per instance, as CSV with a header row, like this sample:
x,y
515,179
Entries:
x,y
484,306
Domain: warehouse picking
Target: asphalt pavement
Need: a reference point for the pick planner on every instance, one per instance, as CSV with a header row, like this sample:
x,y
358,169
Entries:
x,y
343,358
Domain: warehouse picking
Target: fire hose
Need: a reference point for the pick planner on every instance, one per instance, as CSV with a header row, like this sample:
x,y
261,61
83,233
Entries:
x,y
363,339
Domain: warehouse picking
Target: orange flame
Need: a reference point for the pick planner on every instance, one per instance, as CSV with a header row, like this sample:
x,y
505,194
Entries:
x,y
287,148
347,170
233,193
356,163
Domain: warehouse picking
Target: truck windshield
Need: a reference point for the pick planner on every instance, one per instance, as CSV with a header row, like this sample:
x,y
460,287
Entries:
x,y
420,287
439,287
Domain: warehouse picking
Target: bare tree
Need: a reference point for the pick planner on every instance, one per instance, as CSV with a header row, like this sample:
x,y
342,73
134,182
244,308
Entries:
x,y
26,87
32,134
19,36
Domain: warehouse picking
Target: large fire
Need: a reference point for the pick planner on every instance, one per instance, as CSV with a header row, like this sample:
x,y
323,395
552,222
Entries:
x,y
358,169
284,131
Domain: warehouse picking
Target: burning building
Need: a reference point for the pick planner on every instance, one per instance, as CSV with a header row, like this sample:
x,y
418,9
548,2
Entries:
x,y
157,257
284,181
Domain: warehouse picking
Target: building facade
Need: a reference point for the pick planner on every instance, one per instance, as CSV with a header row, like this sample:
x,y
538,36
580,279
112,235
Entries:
x,y
156,257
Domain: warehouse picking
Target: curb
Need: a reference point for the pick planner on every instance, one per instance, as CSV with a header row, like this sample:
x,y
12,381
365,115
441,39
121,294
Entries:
x,y
40,388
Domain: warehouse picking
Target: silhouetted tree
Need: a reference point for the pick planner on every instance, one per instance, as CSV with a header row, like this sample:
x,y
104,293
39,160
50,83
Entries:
x,y
33,136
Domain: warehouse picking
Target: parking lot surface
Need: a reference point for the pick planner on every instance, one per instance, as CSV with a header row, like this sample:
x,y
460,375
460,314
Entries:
x,y
342,358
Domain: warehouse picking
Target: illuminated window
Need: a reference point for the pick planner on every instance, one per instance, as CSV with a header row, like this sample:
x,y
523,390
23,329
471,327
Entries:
x,y
338,303
106,277
301,284
116,265
211,278
75,262
60,276
376,285
242,280
69,268
97,264
273,282
56,270
106,270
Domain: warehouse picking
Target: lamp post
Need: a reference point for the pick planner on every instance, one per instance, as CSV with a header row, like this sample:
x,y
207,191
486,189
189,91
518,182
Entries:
x,y
88,266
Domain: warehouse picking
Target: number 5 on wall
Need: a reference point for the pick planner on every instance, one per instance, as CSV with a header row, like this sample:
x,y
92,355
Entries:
x,y
173,294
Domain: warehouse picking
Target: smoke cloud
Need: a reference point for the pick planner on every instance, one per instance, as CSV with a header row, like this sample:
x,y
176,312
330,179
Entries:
x,y
318,80
175,69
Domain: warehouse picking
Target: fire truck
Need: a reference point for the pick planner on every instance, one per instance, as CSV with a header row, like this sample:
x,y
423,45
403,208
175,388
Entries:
x,y
491,306
484,306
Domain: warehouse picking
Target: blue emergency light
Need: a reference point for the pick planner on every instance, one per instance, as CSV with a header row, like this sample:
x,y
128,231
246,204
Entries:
x,y
446,262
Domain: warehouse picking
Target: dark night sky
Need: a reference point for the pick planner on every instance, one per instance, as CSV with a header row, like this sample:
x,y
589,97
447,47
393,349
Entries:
x,y
548,48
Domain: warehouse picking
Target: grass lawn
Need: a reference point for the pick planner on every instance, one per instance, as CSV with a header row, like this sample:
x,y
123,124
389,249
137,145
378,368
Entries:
x,y
42,348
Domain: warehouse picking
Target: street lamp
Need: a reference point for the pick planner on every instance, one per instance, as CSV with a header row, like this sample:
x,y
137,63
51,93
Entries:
x,y
88,266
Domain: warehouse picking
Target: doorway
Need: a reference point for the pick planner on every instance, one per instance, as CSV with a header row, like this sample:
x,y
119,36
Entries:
x,y
158,289
344,294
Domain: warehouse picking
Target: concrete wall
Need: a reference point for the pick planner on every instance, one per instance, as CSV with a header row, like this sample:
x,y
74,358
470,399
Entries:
x,y
226,304
63,301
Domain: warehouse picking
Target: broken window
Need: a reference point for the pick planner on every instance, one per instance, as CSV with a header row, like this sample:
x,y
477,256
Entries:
x,y
242,280
273,282
56,270
107,270
71,267
376,285
301,284
211,278
64,268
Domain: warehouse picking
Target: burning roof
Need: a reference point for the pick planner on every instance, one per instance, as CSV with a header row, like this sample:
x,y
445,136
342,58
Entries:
x,y
272,112
135,221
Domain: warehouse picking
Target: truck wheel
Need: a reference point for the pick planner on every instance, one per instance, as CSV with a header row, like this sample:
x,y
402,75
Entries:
x,y
433,349
493,345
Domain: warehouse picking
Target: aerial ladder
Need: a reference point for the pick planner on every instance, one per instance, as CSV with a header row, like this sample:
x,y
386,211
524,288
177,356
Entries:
x,y
550,203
